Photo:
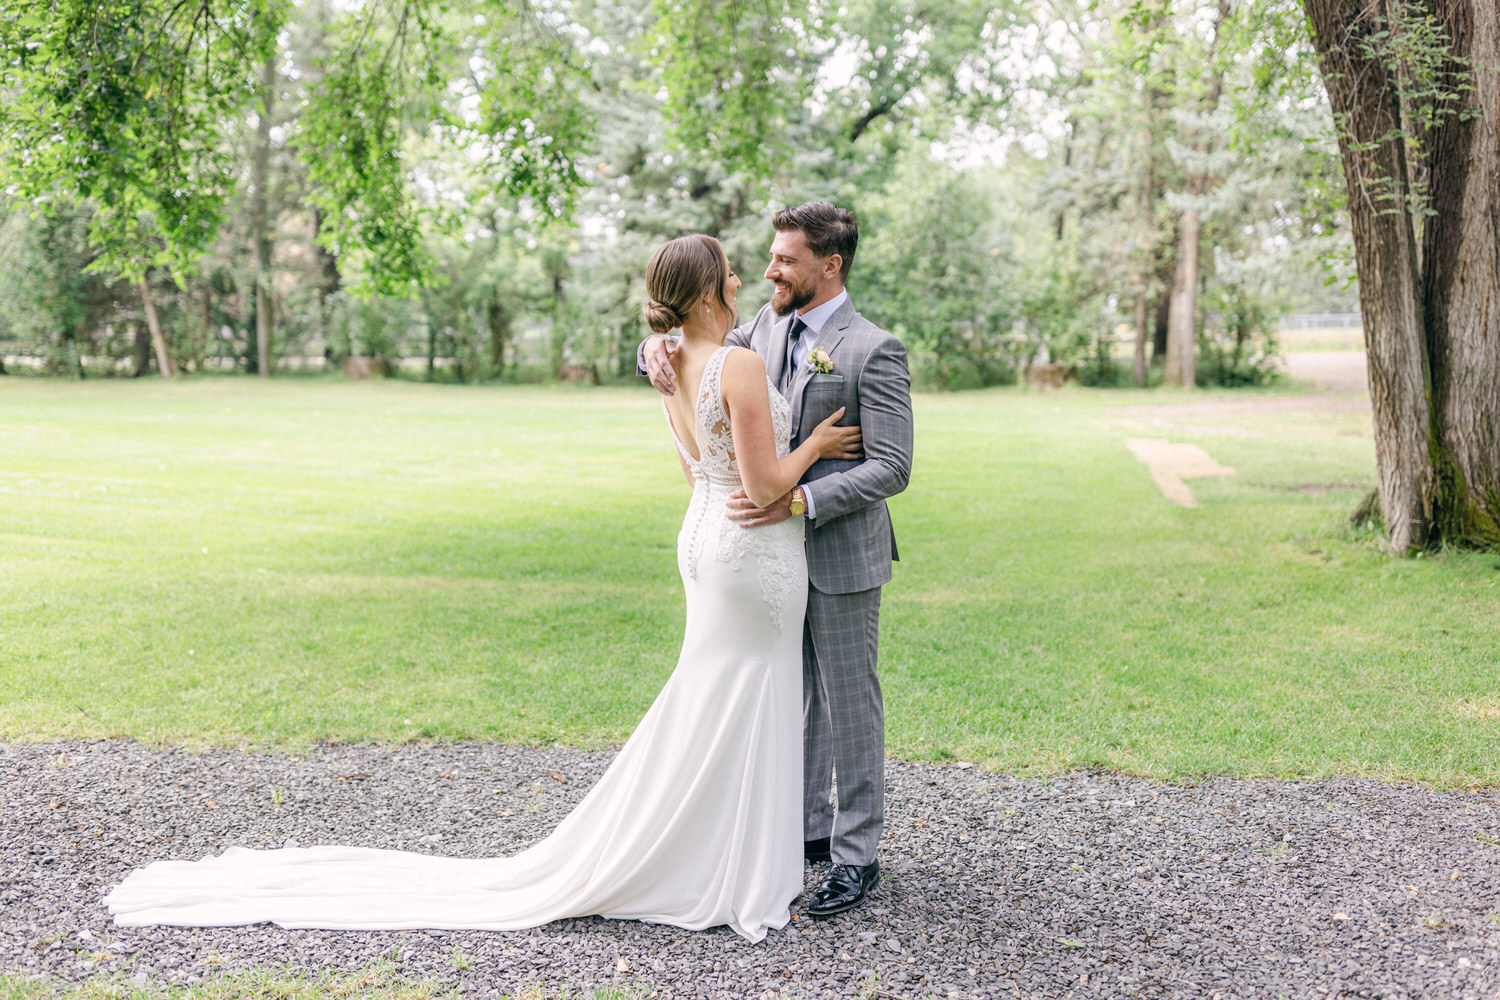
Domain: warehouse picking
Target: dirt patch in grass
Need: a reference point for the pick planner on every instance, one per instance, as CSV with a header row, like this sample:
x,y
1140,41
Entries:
x,y
1484,709
1339,377
1173,462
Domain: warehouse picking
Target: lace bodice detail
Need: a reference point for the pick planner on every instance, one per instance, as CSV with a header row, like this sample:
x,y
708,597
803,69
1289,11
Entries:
x,y
716,475
716,462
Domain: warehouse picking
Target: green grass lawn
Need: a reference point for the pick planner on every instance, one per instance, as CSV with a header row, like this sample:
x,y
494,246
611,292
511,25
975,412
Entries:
x,y
227,561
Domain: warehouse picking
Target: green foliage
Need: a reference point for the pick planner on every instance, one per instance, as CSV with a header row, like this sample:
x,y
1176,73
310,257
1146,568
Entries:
x,y
532,122
1065,318
934,268
1415,49
718,61
500,85
55,302
427,156
352,139
1158,121
1238,346
126,104
358,325
911,58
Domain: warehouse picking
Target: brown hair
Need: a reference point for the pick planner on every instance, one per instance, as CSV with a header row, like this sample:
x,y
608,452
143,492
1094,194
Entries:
x,y
829,230
681,271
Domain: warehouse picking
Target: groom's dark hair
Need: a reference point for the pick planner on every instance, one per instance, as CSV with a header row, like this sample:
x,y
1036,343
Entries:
x,y
829,230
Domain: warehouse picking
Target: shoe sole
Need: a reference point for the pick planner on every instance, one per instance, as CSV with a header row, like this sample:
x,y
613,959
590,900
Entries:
x,y
845,908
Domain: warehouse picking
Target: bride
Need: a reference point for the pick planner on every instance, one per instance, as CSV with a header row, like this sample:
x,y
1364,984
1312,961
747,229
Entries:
x,y
698,820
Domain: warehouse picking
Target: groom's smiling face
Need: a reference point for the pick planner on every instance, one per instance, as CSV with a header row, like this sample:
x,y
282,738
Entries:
x,y
794,270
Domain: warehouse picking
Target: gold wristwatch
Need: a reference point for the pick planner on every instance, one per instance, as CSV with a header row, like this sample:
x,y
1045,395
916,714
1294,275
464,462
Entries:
x,y
798,506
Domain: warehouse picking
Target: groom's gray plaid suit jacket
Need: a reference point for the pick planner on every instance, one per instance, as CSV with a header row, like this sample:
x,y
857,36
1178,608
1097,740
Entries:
x,y
850,542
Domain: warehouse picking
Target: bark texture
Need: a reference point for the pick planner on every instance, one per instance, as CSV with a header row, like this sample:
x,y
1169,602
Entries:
x,y
1461,280
1367,111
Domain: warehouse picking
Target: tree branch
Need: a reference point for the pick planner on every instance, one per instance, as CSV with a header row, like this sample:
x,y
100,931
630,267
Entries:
x,y
865,120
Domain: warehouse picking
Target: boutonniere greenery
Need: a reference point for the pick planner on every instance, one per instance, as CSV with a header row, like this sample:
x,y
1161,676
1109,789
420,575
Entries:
x,y
818,361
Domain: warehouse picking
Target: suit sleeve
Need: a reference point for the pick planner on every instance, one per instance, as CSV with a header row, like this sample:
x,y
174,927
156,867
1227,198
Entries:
x,y
738,337
886,428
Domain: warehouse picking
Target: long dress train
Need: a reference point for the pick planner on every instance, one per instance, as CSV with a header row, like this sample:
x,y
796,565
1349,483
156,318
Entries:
x,y
697,822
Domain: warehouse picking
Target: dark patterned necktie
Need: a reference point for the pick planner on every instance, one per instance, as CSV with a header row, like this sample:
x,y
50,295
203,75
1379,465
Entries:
x,y
789,374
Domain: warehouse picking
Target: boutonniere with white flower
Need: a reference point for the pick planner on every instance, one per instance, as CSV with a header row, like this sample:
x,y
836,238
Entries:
x,y
818,361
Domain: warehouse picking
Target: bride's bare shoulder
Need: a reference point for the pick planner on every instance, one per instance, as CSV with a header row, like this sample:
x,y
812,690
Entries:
x,y
743,363
744,380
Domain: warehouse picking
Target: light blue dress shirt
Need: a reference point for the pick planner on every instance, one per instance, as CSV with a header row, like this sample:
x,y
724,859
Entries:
x,y
814,318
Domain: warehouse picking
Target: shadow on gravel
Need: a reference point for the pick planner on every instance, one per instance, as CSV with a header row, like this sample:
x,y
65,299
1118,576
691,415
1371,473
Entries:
x,y
1083,886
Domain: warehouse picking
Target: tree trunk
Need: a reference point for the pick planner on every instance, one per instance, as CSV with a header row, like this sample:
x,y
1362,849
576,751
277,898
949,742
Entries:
x,y
1158,102
1142,333
142,351
260,239
559,332
164,362
206,332
1069,133
1182,317
1162,313
498,321
1461,282
431,349
1363,96
328,283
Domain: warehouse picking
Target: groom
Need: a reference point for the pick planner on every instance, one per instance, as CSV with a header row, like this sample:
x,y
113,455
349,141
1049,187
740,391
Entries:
x,y
850,544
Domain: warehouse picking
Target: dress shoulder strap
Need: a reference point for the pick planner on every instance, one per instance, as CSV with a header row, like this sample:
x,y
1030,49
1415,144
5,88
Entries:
x,y
712,415
711,389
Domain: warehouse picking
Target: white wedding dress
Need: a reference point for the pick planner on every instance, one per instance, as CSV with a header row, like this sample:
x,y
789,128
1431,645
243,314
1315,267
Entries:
x,y
697,822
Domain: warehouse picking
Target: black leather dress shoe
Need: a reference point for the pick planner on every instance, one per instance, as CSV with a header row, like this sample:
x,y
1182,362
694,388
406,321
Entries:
x,y
817,851
842,889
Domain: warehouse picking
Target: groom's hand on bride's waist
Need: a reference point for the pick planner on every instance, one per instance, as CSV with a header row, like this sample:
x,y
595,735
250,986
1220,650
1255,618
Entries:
x,y
743,510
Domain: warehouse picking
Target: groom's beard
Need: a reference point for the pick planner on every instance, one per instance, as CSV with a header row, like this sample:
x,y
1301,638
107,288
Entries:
x,y
795,298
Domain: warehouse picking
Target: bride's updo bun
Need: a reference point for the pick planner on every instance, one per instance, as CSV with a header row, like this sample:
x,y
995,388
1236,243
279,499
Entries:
x,y
680,273
661,317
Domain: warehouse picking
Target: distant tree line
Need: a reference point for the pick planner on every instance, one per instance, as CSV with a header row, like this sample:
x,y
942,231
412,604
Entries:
x,y
1134,190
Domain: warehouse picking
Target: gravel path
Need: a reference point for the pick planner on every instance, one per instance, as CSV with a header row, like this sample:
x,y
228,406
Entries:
x,y
1082,886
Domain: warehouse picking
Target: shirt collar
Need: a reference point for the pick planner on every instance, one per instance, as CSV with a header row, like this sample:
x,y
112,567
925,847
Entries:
x,y
819,315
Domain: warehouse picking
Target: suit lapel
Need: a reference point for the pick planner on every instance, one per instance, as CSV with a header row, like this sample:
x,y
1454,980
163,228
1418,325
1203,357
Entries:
x,y
829,340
